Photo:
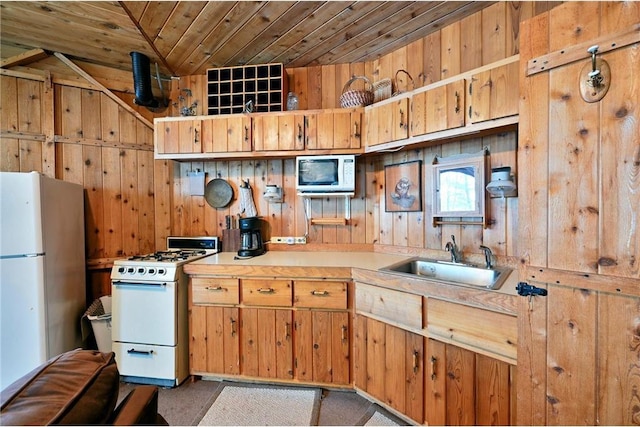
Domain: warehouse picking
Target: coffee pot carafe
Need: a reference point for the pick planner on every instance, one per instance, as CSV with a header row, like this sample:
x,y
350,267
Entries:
x,y
251,237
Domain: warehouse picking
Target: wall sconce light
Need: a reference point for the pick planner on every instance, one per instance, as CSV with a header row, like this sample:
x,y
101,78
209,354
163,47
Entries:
x,y
502,184
273,194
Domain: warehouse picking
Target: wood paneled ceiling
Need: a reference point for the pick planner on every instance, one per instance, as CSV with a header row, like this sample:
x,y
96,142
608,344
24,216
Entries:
x,y
187,37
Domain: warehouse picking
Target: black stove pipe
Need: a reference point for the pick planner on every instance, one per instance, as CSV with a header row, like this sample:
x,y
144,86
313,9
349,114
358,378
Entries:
x,y
142,81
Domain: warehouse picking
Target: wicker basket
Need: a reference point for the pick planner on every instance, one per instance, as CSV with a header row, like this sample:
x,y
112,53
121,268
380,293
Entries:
x,y
395,83
382,90
356,98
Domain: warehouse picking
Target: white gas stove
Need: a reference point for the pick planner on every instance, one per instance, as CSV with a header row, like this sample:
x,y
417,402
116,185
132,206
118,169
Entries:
x,y
149,311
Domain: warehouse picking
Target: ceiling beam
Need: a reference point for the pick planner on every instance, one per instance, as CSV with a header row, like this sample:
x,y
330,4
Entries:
x,y
24,58
102,88
147,38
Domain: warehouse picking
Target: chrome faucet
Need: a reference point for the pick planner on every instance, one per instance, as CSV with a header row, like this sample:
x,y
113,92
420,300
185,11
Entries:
x,y
453,248
488,257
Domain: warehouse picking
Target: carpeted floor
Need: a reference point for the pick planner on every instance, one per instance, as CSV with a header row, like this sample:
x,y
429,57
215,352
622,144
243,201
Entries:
x,y
187,404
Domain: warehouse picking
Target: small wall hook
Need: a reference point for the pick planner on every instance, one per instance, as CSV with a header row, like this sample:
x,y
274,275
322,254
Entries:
x,y
595,78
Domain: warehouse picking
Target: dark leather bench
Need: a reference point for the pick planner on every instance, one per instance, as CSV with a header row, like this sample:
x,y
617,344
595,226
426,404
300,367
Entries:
x,y
77,387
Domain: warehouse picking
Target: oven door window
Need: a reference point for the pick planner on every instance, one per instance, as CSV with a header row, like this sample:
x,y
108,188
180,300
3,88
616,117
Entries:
x,y
144,313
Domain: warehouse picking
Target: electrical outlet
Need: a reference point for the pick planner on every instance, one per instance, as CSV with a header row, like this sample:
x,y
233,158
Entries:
x,y
289,240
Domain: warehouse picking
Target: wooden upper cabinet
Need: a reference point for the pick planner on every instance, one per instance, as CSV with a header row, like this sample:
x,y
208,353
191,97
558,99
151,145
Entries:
x,y
333,129
179,136
493,93
281,132
388,121
438,109
228,134
220,134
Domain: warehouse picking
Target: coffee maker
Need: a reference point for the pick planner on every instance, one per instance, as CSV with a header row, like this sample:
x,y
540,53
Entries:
x,y
250,237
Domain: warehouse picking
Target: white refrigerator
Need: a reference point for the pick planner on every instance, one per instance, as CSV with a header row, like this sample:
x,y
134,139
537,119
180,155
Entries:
x,y
42,270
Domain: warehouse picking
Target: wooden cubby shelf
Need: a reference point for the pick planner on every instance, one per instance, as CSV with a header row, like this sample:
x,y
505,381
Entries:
x,y
230,88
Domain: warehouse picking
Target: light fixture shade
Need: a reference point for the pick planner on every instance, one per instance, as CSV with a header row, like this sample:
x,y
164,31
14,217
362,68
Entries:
x,y
501,184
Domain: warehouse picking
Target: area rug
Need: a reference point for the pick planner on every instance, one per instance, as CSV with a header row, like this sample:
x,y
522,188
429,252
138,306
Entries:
x,y
239,405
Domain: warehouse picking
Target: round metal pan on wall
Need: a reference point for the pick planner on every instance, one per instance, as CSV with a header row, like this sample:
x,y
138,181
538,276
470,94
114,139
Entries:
x,y
218,193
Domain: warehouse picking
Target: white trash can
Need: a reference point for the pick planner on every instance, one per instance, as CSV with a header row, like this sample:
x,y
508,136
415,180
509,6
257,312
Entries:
x,y
99,314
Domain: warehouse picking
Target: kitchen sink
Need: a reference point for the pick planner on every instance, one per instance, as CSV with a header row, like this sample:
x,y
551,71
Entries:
x,y
465,274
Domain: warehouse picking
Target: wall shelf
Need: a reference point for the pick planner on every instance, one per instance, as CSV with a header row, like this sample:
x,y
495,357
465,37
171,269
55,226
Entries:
x,y
327,221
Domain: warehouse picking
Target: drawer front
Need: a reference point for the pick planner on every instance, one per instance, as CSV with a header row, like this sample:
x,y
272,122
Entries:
x,y
320,294
488,330
148,361
211,290
276,293
398,307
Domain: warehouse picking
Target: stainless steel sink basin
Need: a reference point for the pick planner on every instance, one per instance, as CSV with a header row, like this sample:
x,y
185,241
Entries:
x,y
465,274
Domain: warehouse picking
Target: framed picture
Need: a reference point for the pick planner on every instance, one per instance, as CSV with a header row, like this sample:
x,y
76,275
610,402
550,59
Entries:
x,y
403,187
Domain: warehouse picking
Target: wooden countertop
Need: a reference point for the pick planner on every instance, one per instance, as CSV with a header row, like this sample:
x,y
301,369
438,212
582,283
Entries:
x,y
320,265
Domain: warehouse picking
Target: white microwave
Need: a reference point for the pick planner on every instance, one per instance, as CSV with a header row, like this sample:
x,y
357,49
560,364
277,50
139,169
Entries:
x,y
326,173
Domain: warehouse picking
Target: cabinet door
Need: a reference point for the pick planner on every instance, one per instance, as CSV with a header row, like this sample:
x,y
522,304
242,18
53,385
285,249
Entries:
x,y
400,124
438,109
322,346
226,134
329,130
389,365
279,132
266,346
404,372
435,409
388,122
215,345
465,388
494,93
179,136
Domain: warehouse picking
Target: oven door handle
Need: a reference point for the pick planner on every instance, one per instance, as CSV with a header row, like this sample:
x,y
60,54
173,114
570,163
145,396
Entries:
x,y
130,282
134,351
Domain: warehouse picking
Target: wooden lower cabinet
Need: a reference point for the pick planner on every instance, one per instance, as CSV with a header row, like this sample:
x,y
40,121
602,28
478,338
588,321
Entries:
x,y
215,343
266,343
389,366
322,346
429,381
466,388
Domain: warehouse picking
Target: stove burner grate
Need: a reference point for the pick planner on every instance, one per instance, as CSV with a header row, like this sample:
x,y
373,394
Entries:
x,y
170,255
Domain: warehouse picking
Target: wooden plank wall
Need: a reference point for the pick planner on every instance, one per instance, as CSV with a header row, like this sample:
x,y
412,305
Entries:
x,y
578,347
99,145
483,38
134,202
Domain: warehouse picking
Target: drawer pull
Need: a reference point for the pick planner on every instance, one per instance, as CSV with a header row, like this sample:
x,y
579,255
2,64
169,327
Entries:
x,y
433,368
134,351
214,288
415,361
320,293
233,327
266,290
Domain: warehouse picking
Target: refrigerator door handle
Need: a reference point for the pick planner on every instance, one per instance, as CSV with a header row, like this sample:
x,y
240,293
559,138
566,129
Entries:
x,y
21,256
